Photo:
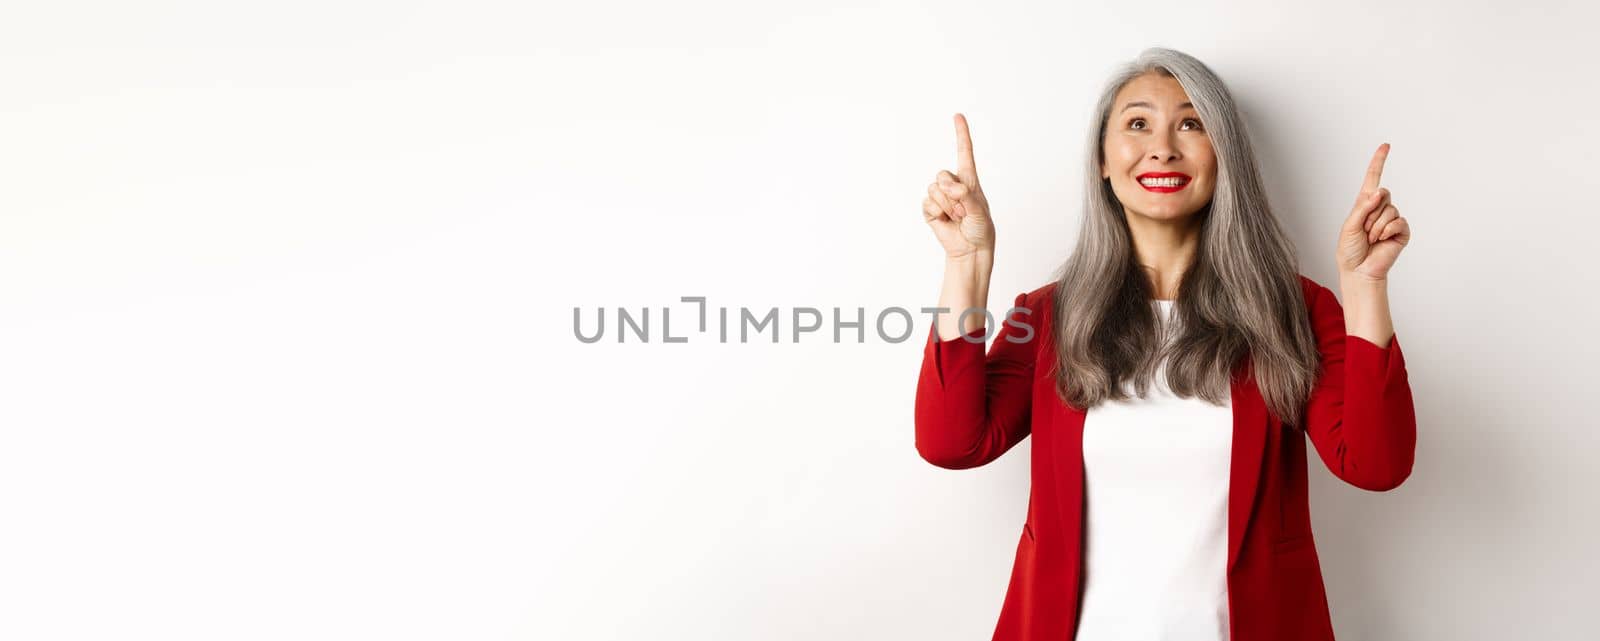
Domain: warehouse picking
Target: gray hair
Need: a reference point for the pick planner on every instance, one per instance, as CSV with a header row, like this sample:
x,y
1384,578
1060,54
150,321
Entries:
x,y
1241,295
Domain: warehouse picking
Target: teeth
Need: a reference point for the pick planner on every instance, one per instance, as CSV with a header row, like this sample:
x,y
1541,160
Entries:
x,y
1162,182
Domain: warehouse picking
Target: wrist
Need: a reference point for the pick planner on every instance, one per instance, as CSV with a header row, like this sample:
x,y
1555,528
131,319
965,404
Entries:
x,y
983,258
1352,276
1351,282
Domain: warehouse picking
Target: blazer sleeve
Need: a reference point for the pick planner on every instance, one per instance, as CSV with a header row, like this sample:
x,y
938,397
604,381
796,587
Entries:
x,y
971,408
1360,417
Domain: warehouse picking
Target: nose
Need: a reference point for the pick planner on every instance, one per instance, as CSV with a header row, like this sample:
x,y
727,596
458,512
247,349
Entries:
x,y
1162,148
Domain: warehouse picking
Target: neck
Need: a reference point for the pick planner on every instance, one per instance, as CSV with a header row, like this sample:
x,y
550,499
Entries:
x,y
1164,250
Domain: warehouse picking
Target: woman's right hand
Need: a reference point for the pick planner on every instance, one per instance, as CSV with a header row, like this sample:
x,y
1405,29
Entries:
x,y
955,207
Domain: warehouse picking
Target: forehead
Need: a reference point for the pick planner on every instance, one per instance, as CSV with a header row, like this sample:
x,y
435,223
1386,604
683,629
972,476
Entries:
x,y
1159,92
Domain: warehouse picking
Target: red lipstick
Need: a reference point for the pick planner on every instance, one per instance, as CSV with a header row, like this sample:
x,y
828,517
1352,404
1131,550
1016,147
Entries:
x,y
1166,186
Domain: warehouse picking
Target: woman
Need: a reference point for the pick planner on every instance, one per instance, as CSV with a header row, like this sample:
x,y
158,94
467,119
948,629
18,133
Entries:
x,y
1167,376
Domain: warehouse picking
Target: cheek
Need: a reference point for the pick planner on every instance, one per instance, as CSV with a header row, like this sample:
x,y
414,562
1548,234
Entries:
x,y
1206,164
1119,156
1208,159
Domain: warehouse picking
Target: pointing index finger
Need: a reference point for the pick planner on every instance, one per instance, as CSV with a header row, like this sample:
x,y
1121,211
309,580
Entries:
x,y
1375,169
966,167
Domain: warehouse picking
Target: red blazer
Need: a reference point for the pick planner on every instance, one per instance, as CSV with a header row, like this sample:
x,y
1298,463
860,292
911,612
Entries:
x,y
971,408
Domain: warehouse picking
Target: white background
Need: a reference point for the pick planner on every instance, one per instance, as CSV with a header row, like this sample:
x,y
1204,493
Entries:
x,y
287,292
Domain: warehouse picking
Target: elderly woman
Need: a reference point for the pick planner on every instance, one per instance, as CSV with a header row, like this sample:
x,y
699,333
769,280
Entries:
x,y
1167,376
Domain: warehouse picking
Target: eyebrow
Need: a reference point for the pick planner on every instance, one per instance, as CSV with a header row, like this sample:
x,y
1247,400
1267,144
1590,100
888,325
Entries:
x,y
1146,105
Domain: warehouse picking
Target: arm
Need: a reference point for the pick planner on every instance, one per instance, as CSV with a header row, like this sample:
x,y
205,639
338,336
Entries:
x,y
972,408
1366,312
1360,418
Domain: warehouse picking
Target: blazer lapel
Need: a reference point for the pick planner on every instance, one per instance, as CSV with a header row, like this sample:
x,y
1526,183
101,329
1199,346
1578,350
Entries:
x,y
1249,444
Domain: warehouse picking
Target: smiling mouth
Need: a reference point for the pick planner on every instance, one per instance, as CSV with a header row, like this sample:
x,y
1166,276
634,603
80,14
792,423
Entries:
x,y
1164,184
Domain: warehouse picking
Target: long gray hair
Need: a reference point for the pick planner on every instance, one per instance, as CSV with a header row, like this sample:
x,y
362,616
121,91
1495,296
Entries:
x,y
1241,295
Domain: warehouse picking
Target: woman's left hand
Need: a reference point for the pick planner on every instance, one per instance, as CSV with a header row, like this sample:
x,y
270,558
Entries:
x,y
1373,233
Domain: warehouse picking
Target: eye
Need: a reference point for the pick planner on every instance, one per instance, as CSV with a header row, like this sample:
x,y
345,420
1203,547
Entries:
x,y
1141,119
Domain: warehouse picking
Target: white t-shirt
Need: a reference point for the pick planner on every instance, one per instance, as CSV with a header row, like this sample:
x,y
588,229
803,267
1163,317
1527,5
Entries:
x,y
1156,547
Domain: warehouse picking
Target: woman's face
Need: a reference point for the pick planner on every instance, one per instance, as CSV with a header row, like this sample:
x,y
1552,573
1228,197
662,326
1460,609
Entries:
x,y
1160,133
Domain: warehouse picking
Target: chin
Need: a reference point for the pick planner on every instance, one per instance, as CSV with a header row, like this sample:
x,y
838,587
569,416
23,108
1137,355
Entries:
x,y
1170,212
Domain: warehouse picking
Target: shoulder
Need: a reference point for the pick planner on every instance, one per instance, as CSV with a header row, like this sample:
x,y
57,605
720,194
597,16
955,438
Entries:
x,y
1029,312
1037,301
1310,287
1042,293
1323,311
1315,294
1041,297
